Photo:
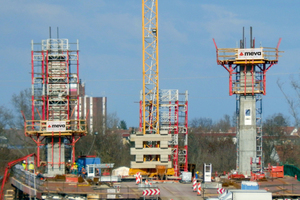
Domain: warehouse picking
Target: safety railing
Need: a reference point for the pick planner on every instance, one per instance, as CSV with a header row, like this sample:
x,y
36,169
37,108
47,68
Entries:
x,y
42,127
234,54
50,189
27,178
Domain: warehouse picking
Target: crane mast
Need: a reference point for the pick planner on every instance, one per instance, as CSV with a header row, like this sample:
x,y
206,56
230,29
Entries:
x,y
163,117
151,150
150,93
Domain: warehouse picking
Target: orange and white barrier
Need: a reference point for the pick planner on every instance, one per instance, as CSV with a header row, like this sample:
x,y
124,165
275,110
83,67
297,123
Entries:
x,y
194,185
138,178
148,183
199,189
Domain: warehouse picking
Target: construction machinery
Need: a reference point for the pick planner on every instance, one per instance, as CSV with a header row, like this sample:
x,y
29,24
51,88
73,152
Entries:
x,y
157,146
151,144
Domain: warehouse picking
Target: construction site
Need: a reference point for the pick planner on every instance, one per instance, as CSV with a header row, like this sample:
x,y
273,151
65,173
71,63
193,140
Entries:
x,y
60,117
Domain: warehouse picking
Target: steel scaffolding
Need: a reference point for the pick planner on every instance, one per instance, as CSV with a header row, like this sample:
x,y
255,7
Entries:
x,y
237,112
259,162
174,119
55,95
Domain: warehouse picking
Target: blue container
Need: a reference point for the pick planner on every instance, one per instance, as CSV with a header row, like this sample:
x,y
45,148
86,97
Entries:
x,y
87,161
249,185
83,161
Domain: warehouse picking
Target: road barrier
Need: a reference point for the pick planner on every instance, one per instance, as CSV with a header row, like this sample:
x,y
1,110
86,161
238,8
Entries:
x,y
199,189
138,178
221,190
151,192
194,184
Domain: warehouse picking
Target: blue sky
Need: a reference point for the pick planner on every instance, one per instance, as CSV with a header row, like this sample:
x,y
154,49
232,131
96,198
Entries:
x,y
110,37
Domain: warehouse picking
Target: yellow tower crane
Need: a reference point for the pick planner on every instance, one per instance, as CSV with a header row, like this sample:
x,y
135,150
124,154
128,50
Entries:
x,y
151,151
150,95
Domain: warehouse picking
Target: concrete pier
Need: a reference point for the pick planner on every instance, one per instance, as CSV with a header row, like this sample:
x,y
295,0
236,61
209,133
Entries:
x,y
55,163
247,133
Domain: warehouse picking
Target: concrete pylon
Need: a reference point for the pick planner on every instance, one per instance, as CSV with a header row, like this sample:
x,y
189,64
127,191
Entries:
x,y
247,133
55,163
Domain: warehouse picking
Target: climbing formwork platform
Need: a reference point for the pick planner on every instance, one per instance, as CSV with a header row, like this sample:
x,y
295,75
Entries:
x,y
55,99
247,69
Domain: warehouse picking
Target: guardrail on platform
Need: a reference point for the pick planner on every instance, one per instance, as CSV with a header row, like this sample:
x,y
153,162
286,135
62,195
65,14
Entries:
x,y
40,127
26,181
31,184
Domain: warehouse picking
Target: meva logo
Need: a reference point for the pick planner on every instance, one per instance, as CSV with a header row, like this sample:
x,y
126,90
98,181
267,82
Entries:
x,y
258,53
57,126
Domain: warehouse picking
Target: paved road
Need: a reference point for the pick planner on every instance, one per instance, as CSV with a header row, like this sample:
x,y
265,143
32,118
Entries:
x,y
279,187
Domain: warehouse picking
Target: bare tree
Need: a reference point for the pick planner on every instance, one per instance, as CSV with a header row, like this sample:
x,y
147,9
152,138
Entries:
x,y
211,148
110,147
205,125
201,124
22,102
223,124
6,119
12,127
6,122
113,120
274,128
294,104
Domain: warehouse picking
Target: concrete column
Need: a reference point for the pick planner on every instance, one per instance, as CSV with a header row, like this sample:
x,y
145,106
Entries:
x,y
247,133
58,156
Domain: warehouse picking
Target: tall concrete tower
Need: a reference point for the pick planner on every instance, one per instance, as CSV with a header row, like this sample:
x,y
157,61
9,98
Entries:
x,y
247,69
